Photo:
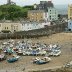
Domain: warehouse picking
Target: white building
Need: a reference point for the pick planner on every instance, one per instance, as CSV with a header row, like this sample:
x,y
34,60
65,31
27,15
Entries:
x,y
46,16
52,13
33,25
70,25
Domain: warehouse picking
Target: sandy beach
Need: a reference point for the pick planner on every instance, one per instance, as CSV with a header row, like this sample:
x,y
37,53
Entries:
x,y
63,39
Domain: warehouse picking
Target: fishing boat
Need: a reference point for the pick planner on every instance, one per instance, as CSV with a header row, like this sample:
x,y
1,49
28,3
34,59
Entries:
x,y
36,59
11,60
2,57
40,61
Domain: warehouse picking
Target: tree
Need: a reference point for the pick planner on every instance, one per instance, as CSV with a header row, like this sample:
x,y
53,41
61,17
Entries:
x,y
11,12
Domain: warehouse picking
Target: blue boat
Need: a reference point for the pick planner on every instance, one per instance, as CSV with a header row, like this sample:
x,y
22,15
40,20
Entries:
x,y
11,60
41,62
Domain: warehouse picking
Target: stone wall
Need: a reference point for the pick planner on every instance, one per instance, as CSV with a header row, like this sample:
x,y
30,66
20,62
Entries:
x,y
48,30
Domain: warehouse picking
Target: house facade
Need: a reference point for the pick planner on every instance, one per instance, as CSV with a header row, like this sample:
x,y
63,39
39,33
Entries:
x,y
44,5
52,13
70,25
6,27
45,11
15,27
10,26
70,11
0,27
37,15
33,25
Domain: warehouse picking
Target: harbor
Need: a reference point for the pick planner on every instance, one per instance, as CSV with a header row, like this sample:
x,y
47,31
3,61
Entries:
x,y
25,62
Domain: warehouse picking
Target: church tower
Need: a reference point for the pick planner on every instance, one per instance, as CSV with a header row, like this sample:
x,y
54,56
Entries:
x,y
8,1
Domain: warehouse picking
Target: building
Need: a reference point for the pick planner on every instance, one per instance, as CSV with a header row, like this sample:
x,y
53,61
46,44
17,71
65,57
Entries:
x,y
45,10
70,25
37,15
26,26
44,5
15,27
52,14
10,26
70,11
9,2
0,27
6,27
29,26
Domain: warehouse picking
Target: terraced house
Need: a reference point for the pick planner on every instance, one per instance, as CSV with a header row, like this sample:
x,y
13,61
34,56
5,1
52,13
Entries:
x,y
37,15
10,26
70,11
45,11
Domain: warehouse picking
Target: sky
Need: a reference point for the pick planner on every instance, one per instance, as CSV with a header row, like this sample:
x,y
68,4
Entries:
x,y
31,2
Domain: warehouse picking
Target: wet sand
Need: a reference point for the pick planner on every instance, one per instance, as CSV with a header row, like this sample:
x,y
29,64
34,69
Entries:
x,y
63,39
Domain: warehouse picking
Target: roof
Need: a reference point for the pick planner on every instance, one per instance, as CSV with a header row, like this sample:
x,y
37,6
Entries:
x,y
36,11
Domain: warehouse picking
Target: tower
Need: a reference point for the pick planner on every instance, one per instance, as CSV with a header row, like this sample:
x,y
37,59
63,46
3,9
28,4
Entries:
x,y
8,1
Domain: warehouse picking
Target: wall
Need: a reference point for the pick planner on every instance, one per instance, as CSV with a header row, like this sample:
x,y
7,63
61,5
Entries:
x,y
69,11
15,27
35,33
33,25
70,25
6,26
53,13
37,15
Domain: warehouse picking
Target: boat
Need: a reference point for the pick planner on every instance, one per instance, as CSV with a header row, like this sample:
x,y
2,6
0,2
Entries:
x,y
36,59
11,60
41,62
2,57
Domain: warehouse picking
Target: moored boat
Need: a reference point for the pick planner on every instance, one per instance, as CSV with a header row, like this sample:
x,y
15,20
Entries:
x,y
11,60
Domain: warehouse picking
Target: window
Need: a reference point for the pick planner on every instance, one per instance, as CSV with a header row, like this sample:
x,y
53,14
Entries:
x,y
7,27
32,14
50,10
22,24
50,17
70,23
32,18
37,13
41,17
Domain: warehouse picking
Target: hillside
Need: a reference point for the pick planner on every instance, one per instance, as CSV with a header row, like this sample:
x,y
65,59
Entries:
x,y
13,12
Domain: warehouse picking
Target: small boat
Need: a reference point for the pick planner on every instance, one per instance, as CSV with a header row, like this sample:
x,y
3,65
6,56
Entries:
x,y
2,57
36,59
8,51
11,60
41,62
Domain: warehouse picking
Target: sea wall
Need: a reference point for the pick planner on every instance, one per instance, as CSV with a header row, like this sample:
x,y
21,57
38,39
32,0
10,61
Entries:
x,y
48,30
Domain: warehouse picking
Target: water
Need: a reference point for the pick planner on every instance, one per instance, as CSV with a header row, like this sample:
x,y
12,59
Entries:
x,y
62,9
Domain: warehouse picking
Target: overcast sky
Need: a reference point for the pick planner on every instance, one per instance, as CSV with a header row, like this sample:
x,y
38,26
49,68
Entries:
x,y
30,2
